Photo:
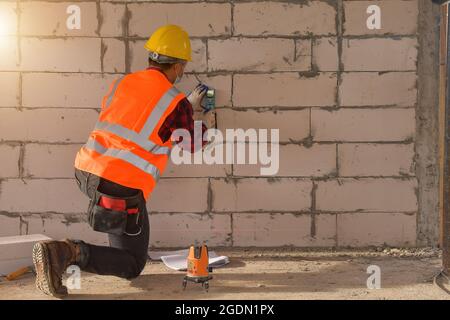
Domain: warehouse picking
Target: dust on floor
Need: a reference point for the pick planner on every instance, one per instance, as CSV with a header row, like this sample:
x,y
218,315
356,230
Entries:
x,y
270,274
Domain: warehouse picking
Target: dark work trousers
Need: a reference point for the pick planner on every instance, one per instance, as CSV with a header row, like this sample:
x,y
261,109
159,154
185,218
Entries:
x,y
127,255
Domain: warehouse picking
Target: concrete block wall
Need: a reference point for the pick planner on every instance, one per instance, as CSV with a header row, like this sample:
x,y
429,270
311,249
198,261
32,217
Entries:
x,y
357,157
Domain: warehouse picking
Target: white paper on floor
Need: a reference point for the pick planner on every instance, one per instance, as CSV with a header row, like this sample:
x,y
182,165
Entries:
x,y
177,260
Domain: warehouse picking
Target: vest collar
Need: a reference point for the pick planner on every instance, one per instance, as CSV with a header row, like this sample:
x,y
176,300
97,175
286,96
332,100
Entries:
x,y
156,68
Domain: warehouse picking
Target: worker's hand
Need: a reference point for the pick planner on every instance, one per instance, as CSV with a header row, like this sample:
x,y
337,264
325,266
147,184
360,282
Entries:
x,y
196,96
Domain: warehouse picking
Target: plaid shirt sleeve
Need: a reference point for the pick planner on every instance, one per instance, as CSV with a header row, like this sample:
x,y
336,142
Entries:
x,y
181,118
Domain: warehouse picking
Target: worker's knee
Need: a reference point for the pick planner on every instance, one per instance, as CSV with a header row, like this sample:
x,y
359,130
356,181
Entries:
x,y
134,273
137,268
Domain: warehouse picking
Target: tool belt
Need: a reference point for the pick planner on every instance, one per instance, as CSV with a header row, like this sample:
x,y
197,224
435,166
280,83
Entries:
x,y
117,215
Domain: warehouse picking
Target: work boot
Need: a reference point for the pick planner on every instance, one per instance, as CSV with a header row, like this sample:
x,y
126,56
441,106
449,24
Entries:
x,y
51,259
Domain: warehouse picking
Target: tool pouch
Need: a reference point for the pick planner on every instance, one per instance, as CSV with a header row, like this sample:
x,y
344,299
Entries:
x,y
115,215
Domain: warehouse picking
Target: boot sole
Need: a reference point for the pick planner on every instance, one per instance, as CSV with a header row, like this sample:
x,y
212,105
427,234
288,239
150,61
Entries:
x,y
42,266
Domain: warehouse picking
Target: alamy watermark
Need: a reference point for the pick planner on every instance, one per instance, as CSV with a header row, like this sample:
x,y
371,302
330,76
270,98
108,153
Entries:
x,y
236,146
374,280
73,281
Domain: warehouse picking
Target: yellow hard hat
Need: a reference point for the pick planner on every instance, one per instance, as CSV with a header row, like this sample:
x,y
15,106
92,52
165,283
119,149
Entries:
x,y
170,41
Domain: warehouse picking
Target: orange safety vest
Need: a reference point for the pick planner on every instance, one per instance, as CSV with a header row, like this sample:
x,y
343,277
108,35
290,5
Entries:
x,y
124,146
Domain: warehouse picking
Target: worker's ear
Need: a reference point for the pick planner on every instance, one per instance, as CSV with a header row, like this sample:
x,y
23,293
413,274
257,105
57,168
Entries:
x,y
181,66
179,71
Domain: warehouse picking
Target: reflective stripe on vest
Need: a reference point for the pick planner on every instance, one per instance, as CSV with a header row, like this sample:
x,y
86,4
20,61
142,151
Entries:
x,y
132,136
124,155
113,91
142,138
161,107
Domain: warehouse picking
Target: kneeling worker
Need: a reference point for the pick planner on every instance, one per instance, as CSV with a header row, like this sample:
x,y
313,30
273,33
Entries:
x,y
121,162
